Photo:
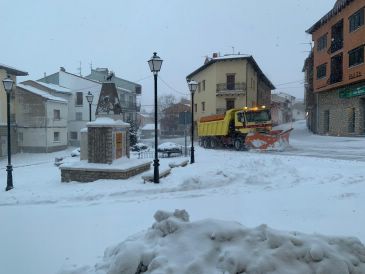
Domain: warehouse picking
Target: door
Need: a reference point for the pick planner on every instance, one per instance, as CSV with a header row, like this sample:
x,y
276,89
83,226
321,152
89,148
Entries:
x,y
326,124
230,81
229,104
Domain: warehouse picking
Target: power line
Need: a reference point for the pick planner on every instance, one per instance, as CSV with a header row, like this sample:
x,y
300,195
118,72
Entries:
x,y
173,89
287,83
144,78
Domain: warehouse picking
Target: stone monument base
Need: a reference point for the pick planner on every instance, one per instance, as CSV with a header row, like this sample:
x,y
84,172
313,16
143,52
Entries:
x,y
88,172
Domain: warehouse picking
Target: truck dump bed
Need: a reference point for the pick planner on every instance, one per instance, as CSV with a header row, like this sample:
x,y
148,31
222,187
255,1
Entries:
x,y
215,125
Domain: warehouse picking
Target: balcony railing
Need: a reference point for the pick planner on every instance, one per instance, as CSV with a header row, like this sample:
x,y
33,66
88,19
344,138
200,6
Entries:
x,y
231,87
335,78
335,46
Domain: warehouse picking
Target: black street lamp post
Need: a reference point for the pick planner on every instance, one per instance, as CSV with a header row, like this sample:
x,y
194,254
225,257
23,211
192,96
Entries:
x,y
192,87
8,85
155,64
90,98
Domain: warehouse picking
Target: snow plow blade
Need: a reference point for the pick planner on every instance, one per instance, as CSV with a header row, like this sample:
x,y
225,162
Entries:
x,y
273,140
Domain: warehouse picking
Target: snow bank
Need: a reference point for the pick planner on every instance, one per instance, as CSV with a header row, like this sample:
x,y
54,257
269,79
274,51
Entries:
x,y
175,245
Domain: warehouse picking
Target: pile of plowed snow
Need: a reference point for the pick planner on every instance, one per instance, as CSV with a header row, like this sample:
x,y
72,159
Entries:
x,y
175,245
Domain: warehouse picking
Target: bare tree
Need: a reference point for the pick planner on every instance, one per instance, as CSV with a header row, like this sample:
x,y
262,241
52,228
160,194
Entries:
x,y
165,101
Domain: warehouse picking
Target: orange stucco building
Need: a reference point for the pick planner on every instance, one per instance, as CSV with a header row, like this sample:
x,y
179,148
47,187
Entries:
x,y
339,69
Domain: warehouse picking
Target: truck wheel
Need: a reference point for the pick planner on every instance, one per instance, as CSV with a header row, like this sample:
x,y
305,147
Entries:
x,y
213,143
237,144
206,143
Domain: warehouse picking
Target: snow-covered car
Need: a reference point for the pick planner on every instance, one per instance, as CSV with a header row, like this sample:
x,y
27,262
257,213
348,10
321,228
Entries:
x,y
169,148
75,152
139,147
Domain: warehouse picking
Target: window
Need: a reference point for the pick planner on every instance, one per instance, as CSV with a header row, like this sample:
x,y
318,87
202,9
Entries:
x,y
56,136
56,114
229,104
78,116
337,36
79,98
356,56
199,86
203,106
73,135
336,69
230,81
322,42
195,107
356,20
203,85
321,71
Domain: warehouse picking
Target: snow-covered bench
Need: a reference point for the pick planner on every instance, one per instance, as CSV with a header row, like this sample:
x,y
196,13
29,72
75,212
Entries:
x,y
178,164
149,176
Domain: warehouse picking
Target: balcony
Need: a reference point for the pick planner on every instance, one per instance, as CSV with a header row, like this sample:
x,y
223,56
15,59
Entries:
x,y
335,46
231,88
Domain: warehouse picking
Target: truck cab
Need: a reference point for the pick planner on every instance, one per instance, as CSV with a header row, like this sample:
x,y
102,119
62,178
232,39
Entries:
x,y
253,119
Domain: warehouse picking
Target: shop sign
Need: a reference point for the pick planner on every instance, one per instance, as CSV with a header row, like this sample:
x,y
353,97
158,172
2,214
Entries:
x,y
348,93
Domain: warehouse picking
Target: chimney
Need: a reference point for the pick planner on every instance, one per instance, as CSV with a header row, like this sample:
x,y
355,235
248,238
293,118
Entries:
x,y
215,55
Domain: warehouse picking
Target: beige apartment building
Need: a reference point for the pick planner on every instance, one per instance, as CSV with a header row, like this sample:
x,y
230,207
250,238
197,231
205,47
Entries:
x,y
231,81
6,71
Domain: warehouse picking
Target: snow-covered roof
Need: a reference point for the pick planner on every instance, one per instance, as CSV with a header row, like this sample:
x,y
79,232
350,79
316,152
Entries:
x,y
13,71
249,58
145,115
150,127
339,5
42,93
106,121
231,56
56,88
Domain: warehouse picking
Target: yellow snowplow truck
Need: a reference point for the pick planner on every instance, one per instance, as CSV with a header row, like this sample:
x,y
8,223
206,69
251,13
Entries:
x,y
241,128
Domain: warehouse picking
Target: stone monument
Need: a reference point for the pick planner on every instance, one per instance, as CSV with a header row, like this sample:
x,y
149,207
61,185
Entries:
x,y
105,145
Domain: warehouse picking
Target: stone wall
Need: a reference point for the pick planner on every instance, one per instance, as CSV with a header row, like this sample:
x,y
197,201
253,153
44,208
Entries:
x,y
100,145
340,114
90,175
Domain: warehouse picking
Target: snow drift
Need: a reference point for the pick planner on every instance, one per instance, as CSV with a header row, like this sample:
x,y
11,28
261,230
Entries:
x,y
175,245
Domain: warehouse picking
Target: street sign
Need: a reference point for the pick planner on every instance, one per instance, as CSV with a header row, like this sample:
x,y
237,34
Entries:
x,y
184,118
348,93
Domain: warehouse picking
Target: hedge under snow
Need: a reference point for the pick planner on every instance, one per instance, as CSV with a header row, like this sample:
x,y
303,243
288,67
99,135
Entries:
x,y
175,245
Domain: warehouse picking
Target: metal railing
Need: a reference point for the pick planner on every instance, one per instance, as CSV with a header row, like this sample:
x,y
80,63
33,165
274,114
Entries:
x,y
151,154
231,87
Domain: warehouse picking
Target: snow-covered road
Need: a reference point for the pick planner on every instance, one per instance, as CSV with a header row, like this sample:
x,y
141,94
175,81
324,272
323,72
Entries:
x,y
45,224
304,143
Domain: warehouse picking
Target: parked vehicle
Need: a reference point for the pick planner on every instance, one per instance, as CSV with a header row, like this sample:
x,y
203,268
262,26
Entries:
x,y
139,147
241,128
170,148
75,152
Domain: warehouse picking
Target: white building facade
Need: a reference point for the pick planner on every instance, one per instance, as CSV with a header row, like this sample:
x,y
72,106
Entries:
x,y
41,120
78,106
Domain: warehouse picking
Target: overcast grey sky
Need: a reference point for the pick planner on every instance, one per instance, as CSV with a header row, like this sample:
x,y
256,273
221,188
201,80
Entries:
x,y
41,35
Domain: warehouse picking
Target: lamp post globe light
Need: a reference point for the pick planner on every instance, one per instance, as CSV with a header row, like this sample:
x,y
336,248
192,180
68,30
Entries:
x,y
155,64
90,98
8,86
192,87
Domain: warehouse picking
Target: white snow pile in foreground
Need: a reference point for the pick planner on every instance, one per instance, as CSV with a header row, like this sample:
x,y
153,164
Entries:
x,y
175,245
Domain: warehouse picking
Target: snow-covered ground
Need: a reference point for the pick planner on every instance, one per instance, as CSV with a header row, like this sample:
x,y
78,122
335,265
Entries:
x,y
313,187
